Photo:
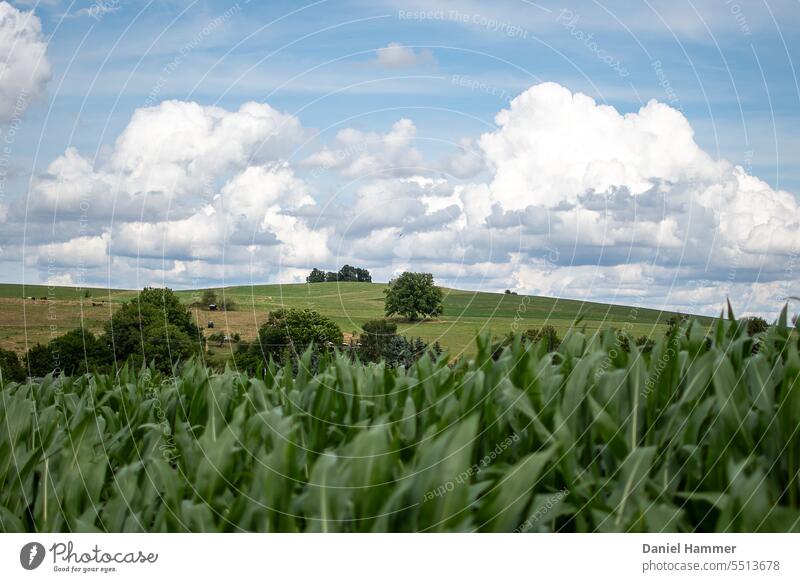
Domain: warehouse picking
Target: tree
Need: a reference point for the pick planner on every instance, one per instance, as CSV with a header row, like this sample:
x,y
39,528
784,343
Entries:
x,y
755,325
10,367
154,324
413,295
209,296
76,352
316,276
375,340
347,273
294,330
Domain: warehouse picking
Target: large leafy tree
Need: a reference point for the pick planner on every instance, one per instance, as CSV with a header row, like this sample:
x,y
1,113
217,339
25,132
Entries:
x,y
413,296
155,326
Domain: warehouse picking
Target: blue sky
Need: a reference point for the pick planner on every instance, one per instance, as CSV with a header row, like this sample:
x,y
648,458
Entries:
x,y
729,67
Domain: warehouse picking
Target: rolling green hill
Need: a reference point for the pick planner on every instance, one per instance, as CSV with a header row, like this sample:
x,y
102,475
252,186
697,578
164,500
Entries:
x,y
24,322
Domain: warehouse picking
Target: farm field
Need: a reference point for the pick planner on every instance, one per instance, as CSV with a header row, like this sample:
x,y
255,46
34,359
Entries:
x,y
700,435
24,322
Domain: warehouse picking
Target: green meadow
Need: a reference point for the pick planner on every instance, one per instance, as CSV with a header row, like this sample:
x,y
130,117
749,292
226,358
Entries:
x,y
466,313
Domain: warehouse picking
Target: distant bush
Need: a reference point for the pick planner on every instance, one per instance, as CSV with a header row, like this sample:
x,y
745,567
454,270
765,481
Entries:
x,y
675,321
380,342
547,335
76,352
403,351
10,367
644,343
209,297
755,325
374,342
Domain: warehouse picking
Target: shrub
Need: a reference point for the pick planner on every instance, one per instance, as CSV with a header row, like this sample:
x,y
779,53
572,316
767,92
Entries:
x,y
547,334
645,344
10,366
413,295
208,297
76,352
294,330
755,325
403,351
375,340
380,342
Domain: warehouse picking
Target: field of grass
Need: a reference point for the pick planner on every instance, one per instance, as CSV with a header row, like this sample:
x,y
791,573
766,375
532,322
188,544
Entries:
x,y
466,313
699,435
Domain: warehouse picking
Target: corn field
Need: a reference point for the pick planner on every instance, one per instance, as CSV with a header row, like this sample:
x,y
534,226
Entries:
x,y
701,434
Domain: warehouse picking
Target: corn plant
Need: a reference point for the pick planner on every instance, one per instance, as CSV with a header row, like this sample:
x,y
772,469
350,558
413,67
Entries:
x,y
699,434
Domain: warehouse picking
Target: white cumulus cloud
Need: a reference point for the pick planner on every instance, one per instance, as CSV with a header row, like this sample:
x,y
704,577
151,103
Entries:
x,y
24,68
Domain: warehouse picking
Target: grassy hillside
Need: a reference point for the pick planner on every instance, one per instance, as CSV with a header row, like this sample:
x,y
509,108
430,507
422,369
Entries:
x,y
25,322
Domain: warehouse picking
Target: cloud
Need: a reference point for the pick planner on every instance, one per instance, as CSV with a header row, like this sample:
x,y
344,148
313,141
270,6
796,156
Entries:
x,y
564,197
397,56
584,201
467,162
166,153
24,68
186,191
356,153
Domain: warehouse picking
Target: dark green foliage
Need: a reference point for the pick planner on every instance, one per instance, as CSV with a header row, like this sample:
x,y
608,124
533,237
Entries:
x,y
675,321
154,325
76,352
403,351
316,276
374,342
293,330
208,297
10,367
547,335
346,273
697,436
645,344
380,343
755,325
413,296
